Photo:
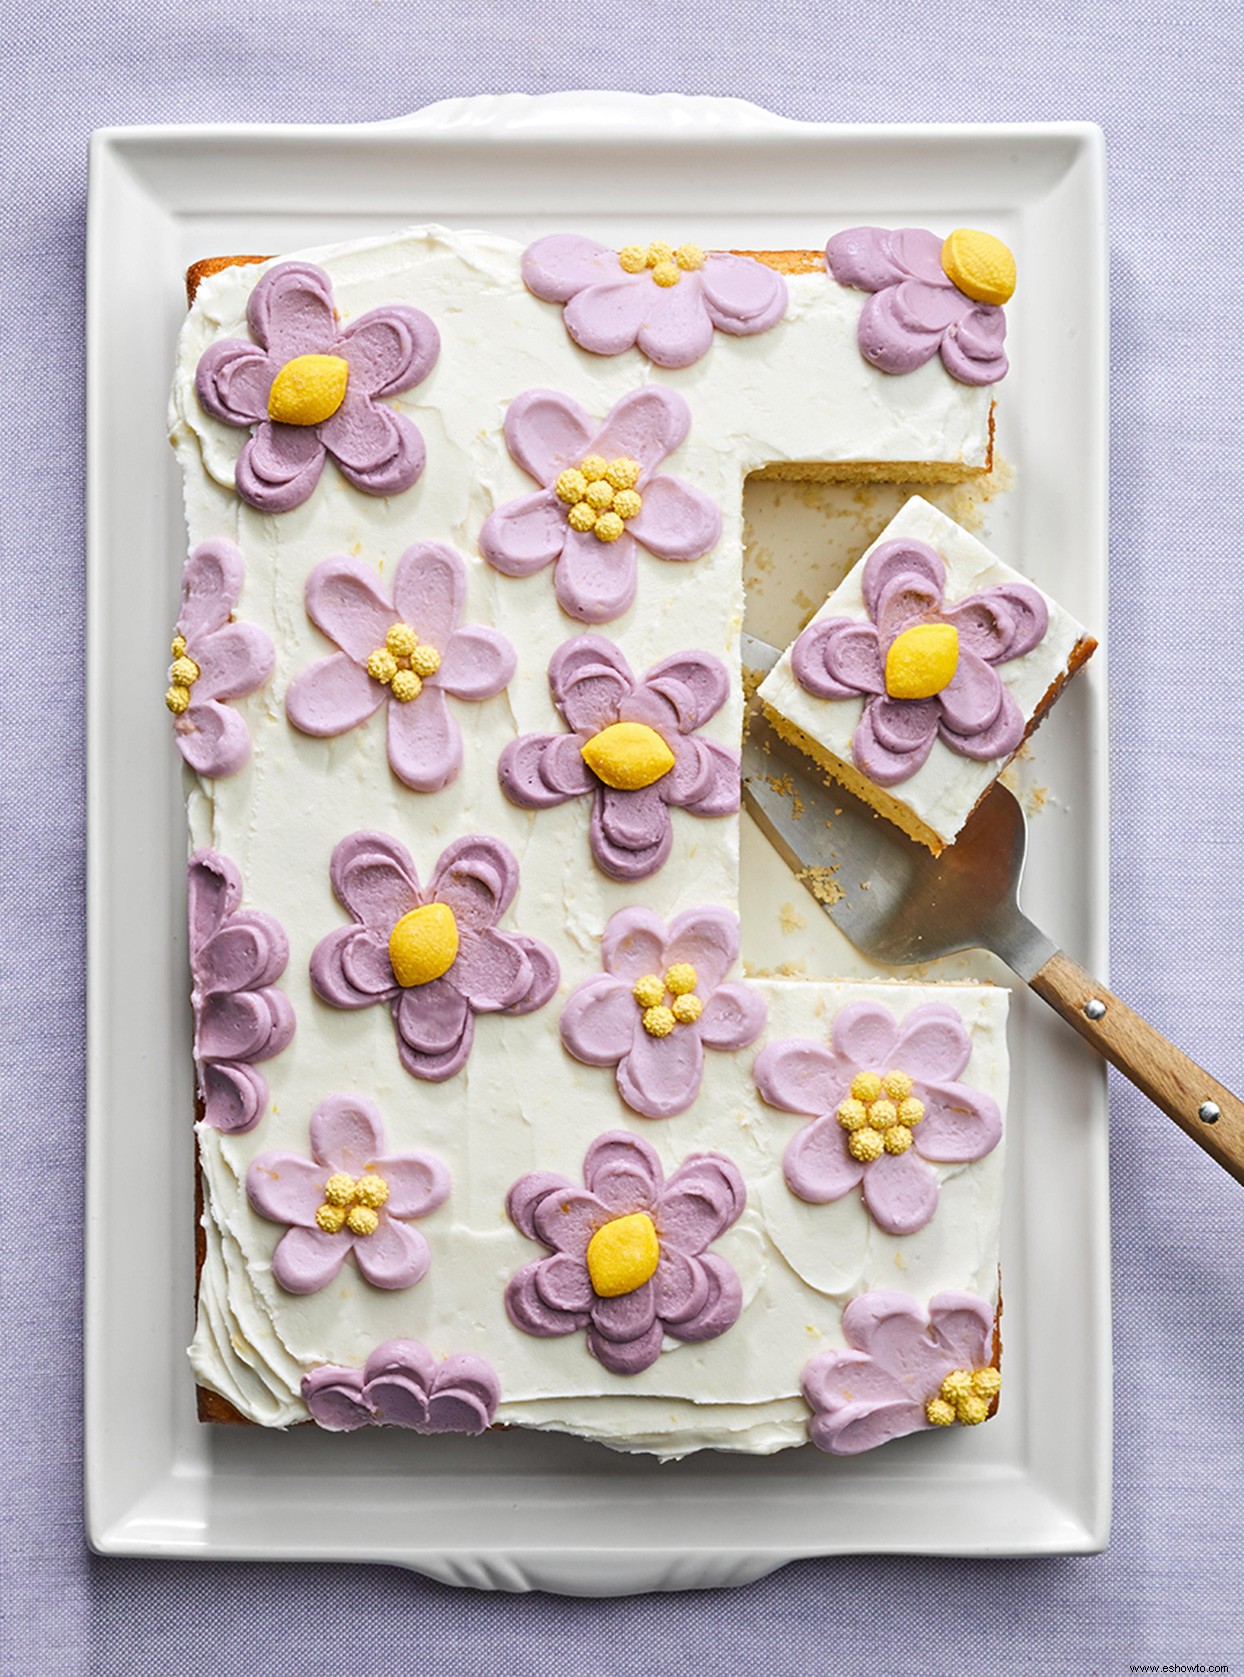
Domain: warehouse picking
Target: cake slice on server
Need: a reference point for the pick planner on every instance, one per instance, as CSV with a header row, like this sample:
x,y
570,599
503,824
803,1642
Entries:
x,y
923,673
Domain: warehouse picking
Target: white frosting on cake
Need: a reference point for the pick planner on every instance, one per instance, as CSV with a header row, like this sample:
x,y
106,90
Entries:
x,y
798,392
944,791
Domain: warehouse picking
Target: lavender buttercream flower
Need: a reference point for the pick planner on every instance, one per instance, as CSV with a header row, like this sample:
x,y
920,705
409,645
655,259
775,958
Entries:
x,y
236,956
308,387
884,1098
917,310
600,494
434,954
407,653
214,660
666,302
350,1197
628,1255
403,1385
662,999
633,746
904,1370
924,669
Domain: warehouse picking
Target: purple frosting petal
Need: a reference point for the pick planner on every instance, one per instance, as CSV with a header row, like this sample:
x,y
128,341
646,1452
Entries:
x,y
374,877
660,1077
607,318
901,1192
595,581
817,1166
959,1124
279,466
799,1076
677,521
525,535
394,1257
332,696
424,742
676,328
546,432
336,1400
589,678
598,1021
742,296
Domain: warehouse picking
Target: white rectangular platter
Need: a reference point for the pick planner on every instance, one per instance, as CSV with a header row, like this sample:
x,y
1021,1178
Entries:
x,y
524,1510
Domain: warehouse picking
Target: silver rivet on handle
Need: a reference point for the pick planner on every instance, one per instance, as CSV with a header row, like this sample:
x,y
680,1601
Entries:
x,y
1208,1113
1095,1009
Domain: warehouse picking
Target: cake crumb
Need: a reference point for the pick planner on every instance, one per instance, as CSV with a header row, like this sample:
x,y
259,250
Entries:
x,y
785,786
900,1262
1038,797
822,884
790,919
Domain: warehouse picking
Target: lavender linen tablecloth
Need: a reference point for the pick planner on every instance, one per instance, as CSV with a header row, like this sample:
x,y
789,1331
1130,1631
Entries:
x,y
1165,83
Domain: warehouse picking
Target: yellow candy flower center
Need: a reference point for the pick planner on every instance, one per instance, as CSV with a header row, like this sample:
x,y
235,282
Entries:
x,y
628,756
965,1396
622,1255
667,264
921,661
600,495
879,1114
351,1202
980,265
308,390
423,945
403,663
683,1006
183,673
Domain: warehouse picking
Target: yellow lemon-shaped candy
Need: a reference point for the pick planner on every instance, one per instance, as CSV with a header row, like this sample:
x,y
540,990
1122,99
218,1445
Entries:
x,y
622,1255
980,265
423,945
628,756
308,389
921,661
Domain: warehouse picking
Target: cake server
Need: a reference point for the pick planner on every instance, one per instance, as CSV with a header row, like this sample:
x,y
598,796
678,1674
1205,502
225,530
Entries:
x,y
900,904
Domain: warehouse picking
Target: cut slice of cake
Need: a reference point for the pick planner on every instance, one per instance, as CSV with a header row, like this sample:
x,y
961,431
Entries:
x,y
923,673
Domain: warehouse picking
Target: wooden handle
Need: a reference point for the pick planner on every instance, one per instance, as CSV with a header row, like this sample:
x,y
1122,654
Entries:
x,y
1198,1103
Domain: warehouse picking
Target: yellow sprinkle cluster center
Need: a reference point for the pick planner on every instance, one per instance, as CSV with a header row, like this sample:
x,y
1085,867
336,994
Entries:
x,y
403,663
965,1396
879,1114
980,265
622,1255
351,1202
628,756
601,495
667,264
423,945
183,673
308,390
683,1006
